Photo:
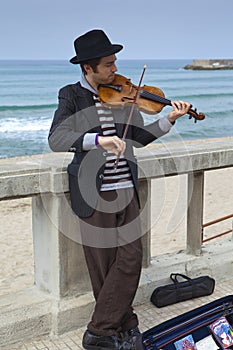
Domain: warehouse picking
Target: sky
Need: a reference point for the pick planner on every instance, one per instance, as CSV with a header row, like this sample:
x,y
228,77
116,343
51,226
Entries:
x,y
151,29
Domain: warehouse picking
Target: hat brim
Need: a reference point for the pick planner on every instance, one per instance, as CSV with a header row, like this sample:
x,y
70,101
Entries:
x,y
113,49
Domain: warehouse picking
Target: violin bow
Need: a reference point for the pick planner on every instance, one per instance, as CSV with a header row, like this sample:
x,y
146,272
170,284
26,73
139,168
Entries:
x,y
130,115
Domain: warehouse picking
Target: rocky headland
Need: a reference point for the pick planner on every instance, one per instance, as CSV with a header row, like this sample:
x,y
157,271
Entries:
x,y
212,64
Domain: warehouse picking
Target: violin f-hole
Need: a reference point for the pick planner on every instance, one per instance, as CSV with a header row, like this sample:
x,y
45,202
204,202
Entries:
x,y
126,98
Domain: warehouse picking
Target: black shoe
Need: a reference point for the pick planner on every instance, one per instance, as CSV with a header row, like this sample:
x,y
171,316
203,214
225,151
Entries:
x,y
98,342
132,337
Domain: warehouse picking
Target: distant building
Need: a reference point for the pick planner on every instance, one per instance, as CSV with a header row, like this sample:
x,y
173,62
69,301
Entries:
x,y
210,64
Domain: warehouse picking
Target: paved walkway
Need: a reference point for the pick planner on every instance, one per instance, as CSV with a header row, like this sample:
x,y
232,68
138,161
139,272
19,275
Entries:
x,y
148,314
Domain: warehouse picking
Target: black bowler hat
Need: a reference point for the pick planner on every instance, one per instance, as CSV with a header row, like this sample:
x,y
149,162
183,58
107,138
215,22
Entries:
x,y
93,44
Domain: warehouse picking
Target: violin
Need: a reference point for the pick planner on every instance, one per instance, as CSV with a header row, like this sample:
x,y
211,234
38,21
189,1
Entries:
x,y
149,99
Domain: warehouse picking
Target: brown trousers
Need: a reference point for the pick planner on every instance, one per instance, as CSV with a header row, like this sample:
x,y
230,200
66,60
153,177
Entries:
x,y
113,252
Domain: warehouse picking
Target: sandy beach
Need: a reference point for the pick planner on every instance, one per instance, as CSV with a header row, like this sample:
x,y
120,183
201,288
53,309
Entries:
x,y
168,224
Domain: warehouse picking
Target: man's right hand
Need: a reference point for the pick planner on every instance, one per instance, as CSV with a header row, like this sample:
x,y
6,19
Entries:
x,y
112,143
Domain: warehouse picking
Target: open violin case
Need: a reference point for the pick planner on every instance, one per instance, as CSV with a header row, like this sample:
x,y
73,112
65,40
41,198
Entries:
x,y
197,324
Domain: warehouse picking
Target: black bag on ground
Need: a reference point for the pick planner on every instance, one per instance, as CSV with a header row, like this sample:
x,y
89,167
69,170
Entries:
x,y
182,290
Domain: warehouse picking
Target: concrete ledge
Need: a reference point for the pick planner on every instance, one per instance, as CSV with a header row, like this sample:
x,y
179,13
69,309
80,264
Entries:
x,y
31,313
72,313
29,176
24,315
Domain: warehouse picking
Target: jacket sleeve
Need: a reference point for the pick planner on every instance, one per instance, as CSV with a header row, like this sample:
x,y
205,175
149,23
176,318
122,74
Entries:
x,y
63,135
142,134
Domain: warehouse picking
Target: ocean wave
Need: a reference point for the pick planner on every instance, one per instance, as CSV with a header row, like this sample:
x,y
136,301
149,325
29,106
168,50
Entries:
x,y
14,130
16,126
201,96
27,107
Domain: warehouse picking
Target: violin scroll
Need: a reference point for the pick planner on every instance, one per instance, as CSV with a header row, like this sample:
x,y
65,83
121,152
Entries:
x,y
197,116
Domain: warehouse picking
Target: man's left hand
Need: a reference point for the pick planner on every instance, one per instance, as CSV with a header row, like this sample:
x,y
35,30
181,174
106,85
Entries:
x,y
180,108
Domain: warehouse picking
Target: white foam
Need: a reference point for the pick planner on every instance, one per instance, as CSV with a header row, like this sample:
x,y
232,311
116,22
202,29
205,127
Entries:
x,y
15,125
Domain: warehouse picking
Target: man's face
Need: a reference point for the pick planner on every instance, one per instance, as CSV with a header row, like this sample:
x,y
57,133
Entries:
x,y
105,71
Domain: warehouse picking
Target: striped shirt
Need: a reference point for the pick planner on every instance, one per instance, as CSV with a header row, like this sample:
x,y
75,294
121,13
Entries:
x,y
121,176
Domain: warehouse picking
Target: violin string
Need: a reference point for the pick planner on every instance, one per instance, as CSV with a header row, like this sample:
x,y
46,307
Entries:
x,y
160,99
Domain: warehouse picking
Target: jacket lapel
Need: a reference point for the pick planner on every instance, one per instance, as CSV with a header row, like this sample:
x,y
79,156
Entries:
x,y
87,106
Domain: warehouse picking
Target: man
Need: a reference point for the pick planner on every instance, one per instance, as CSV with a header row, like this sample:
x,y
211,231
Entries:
x,y
104,188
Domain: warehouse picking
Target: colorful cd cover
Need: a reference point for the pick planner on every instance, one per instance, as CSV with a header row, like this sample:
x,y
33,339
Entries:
x,y
186,343
223,332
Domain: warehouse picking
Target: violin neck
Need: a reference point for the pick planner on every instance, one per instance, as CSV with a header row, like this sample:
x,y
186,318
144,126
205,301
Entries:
x,y
155,98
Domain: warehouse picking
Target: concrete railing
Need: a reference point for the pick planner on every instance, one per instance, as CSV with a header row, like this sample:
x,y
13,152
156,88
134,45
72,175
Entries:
x,y
60,269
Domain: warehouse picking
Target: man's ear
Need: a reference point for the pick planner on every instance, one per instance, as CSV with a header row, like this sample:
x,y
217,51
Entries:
x,y
87,68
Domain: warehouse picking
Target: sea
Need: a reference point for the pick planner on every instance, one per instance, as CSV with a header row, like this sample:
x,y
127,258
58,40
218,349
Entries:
x,y
29,90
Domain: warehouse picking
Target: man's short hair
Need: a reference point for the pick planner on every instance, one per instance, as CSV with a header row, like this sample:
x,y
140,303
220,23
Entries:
x,y
92,63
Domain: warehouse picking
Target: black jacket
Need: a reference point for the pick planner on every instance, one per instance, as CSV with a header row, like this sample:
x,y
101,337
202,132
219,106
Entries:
x,y
75,116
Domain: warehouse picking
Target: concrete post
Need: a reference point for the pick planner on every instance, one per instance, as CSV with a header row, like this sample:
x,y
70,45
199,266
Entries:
x,y
60,267
195,212
145,200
